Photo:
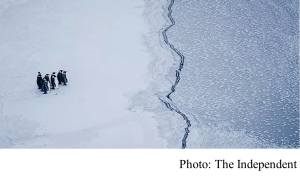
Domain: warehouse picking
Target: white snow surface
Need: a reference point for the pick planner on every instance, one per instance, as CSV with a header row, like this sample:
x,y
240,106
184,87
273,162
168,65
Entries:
x,y
100,44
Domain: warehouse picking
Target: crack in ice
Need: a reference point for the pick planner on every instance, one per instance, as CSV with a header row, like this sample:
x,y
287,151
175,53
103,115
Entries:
x,y
168,105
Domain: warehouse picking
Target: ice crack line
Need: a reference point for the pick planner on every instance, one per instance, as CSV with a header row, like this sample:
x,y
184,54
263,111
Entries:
x,y
168,105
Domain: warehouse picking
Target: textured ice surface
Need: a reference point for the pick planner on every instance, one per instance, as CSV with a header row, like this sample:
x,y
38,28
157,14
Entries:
x,y
241,68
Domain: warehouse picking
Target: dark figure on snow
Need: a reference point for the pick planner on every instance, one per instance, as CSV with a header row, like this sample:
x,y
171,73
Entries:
x,y
39,79
59,76
41,83
65,78
46,86
53,81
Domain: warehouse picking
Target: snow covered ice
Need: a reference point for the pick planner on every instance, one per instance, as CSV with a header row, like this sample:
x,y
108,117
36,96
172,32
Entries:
x,y
239,85
100,44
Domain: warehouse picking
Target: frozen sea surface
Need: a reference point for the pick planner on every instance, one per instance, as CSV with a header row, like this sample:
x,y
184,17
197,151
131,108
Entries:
x,y
241,71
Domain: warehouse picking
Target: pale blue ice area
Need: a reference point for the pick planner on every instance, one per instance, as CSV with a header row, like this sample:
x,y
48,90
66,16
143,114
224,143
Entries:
x,y
241,67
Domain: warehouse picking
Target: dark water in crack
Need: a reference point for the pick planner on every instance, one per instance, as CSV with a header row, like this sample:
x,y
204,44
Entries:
x,y
177,75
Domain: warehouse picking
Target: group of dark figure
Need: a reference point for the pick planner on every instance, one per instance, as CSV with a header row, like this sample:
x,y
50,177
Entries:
x,y
44,83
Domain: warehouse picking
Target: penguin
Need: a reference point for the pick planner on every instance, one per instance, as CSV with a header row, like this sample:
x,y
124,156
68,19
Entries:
x,y
46,86
41,83
59,76
53,81
65,78
38,80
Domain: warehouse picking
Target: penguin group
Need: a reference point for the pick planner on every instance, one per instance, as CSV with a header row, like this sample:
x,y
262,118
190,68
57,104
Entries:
x,y
49,82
